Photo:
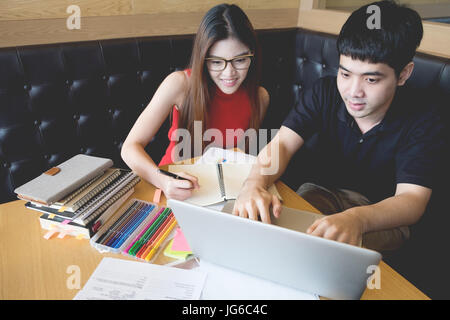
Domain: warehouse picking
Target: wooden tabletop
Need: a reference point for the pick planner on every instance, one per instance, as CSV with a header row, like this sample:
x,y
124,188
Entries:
x,y
35,268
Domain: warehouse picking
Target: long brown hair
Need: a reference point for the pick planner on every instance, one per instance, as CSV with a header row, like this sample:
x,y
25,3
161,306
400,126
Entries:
x,y
219,23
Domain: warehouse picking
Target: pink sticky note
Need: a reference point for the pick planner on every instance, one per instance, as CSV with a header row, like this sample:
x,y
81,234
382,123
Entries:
x,y
157,196
179,242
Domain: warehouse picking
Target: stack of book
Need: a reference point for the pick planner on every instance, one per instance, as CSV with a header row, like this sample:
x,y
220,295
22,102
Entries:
x,y
79,195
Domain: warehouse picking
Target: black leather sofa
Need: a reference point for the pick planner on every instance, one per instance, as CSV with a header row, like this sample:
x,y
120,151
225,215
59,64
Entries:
x,y
60,100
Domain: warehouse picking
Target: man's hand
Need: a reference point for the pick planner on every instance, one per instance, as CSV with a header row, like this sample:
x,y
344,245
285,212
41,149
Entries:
x,y
253,200
344,227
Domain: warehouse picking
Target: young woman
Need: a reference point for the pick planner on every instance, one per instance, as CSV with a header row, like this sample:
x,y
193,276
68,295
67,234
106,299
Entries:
x,y
219,91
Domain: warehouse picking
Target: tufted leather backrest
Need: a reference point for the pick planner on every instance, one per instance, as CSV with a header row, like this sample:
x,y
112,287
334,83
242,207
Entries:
x,y
60,100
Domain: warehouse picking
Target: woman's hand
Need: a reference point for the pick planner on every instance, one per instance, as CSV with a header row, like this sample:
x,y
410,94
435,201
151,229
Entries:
x,y
179,189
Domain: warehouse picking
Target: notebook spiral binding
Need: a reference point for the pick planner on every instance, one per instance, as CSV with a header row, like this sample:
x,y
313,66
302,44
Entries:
x,y
221,183
113,199
96,190
81,189
104,196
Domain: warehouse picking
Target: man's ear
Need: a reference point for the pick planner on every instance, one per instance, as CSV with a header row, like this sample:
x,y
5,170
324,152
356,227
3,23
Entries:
x,y
405,73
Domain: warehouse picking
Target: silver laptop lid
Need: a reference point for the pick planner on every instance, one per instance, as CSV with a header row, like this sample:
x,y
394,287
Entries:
x,y
308,263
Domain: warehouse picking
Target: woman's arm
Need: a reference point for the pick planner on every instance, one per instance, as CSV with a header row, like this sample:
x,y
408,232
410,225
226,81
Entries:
x,y
171,92
264,99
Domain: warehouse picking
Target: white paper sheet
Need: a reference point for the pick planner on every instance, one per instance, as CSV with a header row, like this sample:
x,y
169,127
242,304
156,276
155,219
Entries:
x,y
216,155
117,279
225,284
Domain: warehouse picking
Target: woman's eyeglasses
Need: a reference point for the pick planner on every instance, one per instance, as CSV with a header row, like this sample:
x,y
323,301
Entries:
x,y
238,63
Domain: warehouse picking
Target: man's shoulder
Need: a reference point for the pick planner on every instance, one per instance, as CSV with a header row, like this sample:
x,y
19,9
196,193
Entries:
x,y
418,107
416,102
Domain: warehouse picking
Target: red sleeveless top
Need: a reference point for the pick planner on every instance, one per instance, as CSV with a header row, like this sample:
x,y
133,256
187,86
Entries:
x,y
227,111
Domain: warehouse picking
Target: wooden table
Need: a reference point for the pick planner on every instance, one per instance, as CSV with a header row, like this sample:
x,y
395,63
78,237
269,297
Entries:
x,y
35,268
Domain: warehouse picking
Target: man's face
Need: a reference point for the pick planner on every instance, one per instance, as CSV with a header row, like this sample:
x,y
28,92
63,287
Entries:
x,y
366,88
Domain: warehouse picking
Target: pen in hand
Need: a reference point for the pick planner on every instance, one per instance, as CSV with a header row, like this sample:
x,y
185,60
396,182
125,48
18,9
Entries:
x,y
175,176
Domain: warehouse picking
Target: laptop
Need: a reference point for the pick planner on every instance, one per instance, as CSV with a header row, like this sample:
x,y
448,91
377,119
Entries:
x,y
281,252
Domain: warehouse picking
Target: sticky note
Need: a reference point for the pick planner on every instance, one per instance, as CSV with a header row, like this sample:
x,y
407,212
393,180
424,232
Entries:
x,y
49,234
157,196
65,222
62,234
179,242
179,255
62,209
51,216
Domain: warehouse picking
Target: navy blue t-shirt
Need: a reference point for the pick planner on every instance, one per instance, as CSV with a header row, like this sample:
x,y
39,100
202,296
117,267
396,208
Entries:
x,y
405,147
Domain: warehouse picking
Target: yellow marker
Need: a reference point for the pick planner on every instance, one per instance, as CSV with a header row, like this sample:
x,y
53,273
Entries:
x,y
51,216
62,209
161,239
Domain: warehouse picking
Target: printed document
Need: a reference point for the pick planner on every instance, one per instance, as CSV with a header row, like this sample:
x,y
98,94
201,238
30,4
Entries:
x,y
117,279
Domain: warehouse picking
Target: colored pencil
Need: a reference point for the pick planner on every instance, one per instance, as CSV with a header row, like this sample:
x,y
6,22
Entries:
x,y
143,231
117,230
150,241
128,230
115,224
154,229
148,246
148,233
161,239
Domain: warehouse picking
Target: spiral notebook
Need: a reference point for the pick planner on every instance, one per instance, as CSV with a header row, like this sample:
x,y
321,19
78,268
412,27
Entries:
x,y
100,202
218,182
81,196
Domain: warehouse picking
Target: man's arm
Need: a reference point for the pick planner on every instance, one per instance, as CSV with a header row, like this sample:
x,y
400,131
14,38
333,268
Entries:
x,y
405,208
272,161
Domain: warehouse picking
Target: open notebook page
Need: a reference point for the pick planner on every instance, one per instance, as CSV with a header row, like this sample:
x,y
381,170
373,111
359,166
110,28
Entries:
x,y
209,192
234,176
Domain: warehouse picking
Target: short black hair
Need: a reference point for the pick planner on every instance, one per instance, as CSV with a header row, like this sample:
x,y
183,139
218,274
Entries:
x,y
394,42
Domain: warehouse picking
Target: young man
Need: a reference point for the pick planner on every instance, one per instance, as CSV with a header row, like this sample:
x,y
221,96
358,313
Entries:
x,y
380,143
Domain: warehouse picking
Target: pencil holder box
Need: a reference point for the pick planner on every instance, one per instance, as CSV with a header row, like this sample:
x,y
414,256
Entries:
x,y
138,230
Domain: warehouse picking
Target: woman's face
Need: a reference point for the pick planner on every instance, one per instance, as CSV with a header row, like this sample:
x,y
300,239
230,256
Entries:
x,y
229,79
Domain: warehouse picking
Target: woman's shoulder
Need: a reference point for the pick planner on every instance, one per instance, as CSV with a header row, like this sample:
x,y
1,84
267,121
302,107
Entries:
x,y
179,79
176,84
263,96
